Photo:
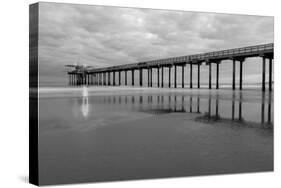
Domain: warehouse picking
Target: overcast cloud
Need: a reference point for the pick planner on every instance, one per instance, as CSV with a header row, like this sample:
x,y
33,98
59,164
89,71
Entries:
x,y
104,36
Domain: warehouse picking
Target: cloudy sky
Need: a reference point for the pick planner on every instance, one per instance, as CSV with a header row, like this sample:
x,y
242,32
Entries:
x,y
103,36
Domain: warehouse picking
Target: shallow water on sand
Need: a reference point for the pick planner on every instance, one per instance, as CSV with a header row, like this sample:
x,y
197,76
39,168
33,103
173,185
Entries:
x,y
99,134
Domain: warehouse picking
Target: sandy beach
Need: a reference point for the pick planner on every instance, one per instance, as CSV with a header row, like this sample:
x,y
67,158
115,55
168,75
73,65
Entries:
x,y
119,133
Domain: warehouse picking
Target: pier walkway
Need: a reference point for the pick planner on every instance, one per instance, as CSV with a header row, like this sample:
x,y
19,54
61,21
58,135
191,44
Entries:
x,y
102,76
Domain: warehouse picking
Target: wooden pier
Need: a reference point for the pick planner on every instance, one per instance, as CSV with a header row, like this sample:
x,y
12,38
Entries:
x,y
102,76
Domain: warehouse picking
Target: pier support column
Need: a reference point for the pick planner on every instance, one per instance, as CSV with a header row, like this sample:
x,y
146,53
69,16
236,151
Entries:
x,y
182,76
241,75
218,70
108,78
114,78
140,76
148,77
175,81
233,74
158,79
270,74
210,75
162,76
151,77
263,73
119,78
198,75
191,84
126,78
104,77
89,77
85,79
133,77
101,79
169,77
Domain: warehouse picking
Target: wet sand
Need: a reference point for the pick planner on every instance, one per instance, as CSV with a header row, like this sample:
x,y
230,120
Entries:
x,y
120,134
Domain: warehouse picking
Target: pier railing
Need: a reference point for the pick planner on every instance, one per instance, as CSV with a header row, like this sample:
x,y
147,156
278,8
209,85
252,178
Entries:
x,y
196,58
266,51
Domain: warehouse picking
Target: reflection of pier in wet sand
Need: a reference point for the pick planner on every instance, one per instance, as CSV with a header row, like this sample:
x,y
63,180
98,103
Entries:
x,y
180,103
130,135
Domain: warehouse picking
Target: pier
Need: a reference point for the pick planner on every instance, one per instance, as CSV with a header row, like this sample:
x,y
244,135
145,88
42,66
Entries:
x,y
102,76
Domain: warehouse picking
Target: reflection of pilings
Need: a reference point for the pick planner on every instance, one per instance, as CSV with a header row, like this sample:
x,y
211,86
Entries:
x,y
209,107
169,101
141,100
240,107
182,103
175,104
126,99
133,99
217,107
158,100
190,101
119,99
198,104
269,108
262,108
233,109
114,100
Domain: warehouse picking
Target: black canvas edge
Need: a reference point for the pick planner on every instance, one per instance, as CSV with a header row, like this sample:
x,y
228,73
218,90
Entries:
x,y
33,94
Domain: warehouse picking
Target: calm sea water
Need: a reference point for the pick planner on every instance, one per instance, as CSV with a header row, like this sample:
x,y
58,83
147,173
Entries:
x,y
100,134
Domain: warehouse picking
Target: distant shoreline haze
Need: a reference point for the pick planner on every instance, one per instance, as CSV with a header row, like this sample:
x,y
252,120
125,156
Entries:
x,y
186,86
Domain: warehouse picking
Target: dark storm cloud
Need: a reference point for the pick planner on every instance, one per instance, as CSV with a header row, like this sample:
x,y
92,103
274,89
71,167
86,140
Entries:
x,y
103,36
